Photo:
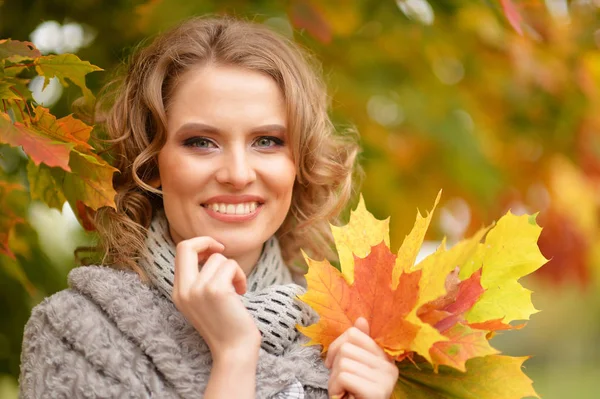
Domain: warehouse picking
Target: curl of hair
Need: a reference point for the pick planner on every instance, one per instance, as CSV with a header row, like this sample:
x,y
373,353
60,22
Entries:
x,y
134,121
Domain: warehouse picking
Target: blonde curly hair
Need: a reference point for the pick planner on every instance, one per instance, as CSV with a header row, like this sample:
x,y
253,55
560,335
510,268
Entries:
x,y
135,123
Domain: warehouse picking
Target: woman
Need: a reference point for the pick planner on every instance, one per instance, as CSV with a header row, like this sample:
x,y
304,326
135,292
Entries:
x,y
228,160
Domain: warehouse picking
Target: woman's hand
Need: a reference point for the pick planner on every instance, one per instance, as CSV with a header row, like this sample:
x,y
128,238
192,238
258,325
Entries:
x,y
359,366
208,299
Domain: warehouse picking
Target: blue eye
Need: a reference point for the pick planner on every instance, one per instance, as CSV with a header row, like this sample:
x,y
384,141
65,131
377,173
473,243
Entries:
x,y
199,142
268,141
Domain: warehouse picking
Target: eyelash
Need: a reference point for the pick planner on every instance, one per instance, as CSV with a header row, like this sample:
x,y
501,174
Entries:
x,y
193,141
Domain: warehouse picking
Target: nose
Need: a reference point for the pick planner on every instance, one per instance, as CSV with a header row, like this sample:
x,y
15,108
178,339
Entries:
x,y
236,169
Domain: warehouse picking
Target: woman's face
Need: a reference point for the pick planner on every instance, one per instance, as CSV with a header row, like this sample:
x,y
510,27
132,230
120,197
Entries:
x,y
226,168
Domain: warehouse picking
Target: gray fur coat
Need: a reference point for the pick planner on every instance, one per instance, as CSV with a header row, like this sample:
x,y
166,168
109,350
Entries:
x,y
110,336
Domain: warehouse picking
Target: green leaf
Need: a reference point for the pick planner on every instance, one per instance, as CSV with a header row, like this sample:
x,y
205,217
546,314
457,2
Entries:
x,y
43,187
66,66
489,377
90,182
6,93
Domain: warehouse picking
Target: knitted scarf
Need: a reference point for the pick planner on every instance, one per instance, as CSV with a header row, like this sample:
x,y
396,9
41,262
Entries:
x,y
271,290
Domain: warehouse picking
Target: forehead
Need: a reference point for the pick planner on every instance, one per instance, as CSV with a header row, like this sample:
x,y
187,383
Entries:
x,y
226,95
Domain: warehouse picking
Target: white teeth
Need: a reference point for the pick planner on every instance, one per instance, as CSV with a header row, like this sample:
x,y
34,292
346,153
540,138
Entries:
x,y
234,209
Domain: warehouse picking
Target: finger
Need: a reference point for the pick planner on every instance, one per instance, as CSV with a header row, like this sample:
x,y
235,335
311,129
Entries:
x,y
334,348
356,337
186,260
355,367
353,352
346,382
230,274
214,263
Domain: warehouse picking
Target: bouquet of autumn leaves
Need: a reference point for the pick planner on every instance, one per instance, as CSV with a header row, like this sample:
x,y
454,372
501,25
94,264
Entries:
x,y
435,317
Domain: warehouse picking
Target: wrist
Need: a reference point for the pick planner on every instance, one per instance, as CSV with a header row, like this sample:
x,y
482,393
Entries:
x,y
238,366
233,365
245,354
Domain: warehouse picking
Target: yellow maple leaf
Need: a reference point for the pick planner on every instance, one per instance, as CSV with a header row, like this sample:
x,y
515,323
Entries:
x,y
510,252
362,232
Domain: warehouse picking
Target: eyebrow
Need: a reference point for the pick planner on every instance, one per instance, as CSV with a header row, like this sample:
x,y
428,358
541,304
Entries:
x,y
202,127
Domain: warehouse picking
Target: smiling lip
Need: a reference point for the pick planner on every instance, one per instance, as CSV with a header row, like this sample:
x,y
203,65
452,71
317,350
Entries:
x,y
233,199
223,217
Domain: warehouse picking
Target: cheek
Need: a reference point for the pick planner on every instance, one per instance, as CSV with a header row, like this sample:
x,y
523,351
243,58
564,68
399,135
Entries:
x,y
282,177
177,172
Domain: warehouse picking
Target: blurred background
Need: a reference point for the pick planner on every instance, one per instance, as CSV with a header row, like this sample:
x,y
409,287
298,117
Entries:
x,y
496,102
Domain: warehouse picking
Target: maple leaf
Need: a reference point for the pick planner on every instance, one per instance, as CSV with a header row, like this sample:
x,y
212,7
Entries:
x,y
446,314
435,269
38,146
45,138
42,187
340,303
358,236
67,129
8,219
66,66
6,92
463,344
510,252
90,182
15,51
448,309
489,377
380,281
85,215
443,309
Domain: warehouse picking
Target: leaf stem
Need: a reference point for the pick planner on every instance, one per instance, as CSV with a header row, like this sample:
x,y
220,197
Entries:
x,y
20,65
24,102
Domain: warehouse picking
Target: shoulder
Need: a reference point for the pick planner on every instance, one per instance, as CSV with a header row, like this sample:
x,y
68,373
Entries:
x,y
89,288
68,313
75,340
96,299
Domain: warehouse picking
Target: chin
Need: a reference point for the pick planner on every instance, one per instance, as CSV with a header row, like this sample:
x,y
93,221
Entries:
x,y
237,244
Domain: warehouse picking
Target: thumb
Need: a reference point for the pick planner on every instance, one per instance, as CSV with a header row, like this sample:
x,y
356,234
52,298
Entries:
x,y
362,324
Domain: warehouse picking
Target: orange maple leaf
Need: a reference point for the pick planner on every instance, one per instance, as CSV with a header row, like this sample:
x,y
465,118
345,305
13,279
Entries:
x,y
371,295
39,147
